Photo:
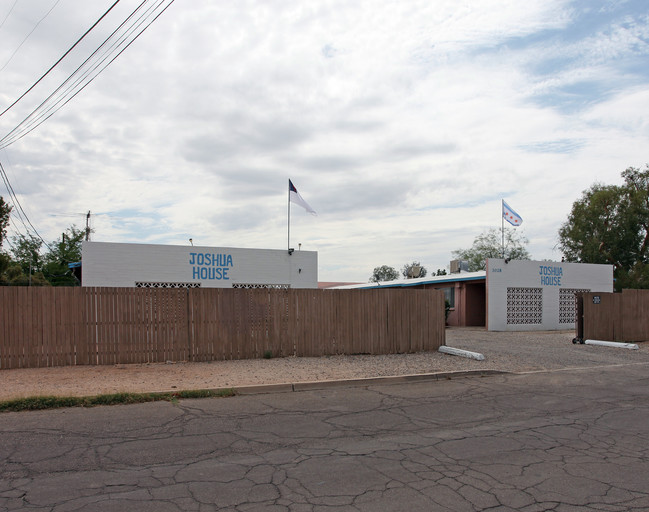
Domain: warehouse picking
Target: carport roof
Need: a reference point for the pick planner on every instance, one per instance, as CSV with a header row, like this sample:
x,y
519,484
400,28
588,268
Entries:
x,y
433,280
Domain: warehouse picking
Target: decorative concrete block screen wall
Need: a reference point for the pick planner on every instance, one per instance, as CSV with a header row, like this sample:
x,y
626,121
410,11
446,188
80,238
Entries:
x,y
539,295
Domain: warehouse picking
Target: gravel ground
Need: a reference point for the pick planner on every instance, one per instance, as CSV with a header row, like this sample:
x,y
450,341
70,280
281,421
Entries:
x,y
511,352
537,351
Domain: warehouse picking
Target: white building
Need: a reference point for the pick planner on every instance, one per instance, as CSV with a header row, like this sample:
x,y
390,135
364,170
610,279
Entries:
x,y
176,266
514,295
539,295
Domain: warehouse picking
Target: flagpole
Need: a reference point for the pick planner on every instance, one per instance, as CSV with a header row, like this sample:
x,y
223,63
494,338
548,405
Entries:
x,y
502,219
289,217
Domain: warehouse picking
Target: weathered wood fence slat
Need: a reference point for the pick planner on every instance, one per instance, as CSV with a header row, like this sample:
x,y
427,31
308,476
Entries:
x,y
42,327
616,316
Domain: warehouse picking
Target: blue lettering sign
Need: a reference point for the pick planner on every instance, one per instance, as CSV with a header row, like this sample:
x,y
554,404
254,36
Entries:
x,y
209,266
550,271
550,276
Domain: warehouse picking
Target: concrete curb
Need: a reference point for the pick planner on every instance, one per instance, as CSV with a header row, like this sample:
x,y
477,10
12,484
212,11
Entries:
x,y
365,382
258,389
580,368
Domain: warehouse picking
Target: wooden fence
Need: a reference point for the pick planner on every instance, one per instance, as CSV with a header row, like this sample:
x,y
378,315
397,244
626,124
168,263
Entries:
x,y
615,316
42,327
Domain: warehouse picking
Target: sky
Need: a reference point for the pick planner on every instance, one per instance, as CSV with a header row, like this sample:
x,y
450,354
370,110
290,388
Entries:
x,y
402,123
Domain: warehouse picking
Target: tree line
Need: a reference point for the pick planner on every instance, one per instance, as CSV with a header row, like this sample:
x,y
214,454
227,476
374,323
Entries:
x,y
608,224
26,264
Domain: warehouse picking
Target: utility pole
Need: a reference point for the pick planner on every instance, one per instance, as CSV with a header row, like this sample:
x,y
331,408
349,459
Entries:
x,y
88,226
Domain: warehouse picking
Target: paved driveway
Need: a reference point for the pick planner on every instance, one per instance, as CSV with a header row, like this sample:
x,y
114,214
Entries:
x,y
560,440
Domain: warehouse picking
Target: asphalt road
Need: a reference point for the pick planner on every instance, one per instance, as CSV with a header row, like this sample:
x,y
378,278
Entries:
x,y
560,440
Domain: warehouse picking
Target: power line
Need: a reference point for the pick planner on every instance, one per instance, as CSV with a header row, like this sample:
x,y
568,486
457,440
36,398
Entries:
x,y
48,108
9,13
44,111
27,36
62,57
14,211
13,224
18,234
9,243
32,121
16,202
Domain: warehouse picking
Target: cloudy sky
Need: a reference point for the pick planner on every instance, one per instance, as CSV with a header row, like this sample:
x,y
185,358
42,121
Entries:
x,y
403,123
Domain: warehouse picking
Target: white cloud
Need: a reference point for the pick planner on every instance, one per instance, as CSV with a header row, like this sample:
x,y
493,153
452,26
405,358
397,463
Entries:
x,y
402,123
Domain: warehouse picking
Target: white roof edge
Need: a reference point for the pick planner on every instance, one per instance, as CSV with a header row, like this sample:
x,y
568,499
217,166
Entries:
x,y
463,276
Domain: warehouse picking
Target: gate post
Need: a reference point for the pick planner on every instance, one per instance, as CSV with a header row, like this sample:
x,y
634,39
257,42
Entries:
x,y
579,320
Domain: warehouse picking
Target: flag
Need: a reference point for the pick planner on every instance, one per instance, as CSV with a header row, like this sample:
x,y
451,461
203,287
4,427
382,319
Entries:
x,y
511,216
295,197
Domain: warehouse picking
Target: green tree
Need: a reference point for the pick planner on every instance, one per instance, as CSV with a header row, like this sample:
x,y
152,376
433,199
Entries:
x,y
440,272
27,265
414,269
489,245
384,273
5,259
14,276
610,224
26,252
31,267
61,253
68,249
5,263
5,211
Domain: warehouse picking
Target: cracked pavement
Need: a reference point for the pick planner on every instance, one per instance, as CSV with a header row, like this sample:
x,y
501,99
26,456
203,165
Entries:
x,y
560,440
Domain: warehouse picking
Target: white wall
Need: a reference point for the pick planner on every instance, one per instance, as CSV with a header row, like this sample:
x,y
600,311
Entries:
x,y
123,265
537,295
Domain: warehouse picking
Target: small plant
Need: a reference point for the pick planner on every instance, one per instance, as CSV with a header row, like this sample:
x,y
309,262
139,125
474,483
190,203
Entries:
x,y
206,393
268,354
54,402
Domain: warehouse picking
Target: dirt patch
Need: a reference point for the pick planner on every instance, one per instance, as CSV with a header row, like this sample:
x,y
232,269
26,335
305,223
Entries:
x,y
136,378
